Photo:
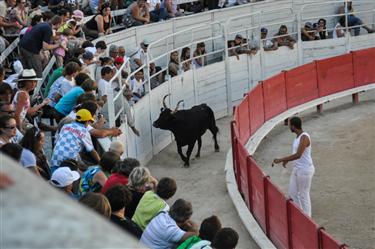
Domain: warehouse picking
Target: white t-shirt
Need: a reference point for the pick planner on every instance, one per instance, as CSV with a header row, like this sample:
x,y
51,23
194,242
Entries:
x,y
162,232
152,4
28,158
103,88
338,28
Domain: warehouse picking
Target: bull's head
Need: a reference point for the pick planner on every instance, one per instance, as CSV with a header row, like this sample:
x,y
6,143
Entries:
x,y
166,116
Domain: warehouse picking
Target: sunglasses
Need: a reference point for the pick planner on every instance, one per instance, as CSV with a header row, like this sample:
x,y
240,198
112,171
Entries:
x,y
8,112
10,127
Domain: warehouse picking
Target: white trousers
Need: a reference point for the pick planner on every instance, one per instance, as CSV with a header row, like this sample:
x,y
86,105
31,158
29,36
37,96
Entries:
x,y
299,188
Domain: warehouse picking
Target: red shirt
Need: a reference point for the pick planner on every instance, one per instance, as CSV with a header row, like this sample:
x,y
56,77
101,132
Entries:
x,y
113,180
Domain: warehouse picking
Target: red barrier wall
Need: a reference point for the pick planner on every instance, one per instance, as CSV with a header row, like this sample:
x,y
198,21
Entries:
x,y
242,161
274,96
256,108
363,66
278,219
335,74
327,242
301,85
304,232
257,194
243,120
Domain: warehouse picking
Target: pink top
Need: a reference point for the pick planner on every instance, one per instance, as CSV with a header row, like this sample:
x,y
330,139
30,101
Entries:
x,y
25,108
61,51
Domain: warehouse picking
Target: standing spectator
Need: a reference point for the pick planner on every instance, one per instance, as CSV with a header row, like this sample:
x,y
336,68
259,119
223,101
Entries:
x,y
140,180
199,59
26,84
165,230
94,178
97,202
224,239
19,15
303,170
100,24
137,86
268,45
4,23
121,172
308,33
63,48
68,101
72,139
284,39
207,231
322,29
185,59
154,202
139,57
119,198
38,38
104,85
173,66
63,179
157,13
33,141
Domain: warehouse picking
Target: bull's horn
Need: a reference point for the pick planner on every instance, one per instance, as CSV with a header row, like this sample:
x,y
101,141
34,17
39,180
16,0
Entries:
x,y
178,104
164,104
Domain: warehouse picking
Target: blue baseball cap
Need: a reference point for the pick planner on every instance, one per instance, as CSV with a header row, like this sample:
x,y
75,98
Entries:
x,y
263,30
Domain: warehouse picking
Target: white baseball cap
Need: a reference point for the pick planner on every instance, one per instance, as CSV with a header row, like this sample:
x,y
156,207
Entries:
x,y
63,177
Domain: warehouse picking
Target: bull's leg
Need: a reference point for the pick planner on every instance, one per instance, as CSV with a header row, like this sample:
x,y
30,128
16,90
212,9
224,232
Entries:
x,y
188,153
214,130
199,147
179,150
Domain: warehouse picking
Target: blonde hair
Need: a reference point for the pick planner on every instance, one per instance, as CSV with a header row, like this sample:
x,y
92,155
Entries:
x,y
97,202
139,177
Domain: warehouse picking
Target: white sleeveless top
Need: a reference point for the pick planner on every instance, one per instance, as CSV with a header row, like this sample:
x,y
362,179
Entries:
x,y
305,161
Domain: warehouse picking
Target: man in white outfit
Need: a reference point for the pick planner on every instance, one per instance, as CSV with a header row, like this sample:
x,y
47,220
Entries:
x,y
303,170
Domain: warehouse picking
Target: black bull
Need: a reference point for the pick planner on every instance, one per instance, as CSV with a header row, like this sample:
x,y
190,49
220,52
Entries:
x,y
188,126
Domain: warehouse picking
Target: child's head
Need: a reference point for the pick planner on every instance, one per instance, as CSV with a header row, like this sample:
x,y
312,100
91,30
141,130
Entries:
x,y
68,32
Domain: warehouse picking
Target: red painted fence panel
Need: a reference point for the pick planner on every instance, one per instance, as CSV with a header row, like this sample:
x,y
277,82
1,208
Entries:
x,y
304,231
244,120
327,242
256,108
274,96
242,167
364,66
257,194
335,74
301,85
277,213
234,134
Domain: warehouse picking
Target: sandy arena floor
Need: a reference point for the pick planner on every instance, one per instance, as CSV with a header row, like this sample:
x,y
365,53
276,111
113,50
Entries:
x,y
343,147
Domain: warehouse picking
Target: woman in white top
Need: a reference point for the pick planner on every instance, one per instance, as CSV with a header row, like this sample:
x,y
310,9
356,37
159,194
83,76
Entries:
x,y
303,170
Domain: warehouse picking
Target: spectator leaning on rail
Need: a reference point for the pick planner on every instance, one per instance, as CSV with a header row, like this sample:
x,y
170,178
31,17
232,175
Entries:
x,y
268,45
74,138
169,229
353,21
303,169
309,33
283,38
100,24
322,28
240,48
38,38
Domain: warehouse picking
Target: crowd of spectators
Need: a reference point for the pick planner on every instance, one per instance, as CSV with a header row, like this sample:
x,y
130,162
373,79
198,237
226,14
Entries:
x,y
75,99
